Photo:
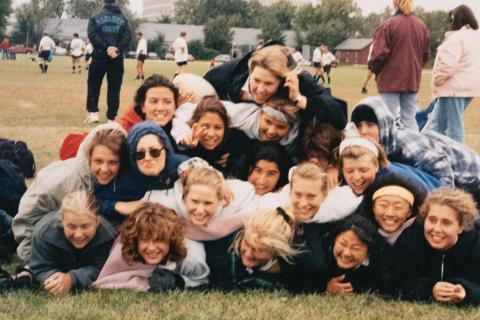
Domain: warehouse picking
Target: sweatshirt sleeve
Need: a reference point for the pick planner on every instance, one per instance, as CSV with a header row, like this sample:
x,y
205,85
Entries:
x,y
194,269
339,203
42,261
380,49
446,62
180,126
244,116
125,37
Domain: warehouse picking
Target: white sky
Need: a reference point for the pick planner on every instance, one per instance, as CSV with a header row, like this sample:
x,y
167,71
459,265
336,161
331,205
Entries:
x,y
367,6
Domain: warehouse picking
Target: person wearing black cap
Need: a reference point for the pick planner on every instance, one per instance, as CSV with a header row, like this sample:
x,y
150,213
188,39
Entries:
x,y
110,34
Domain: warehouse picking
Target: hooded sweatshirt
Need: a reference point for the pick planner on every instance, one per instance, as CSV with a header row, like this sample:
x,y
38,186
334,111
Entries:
x,y
453,163
47,191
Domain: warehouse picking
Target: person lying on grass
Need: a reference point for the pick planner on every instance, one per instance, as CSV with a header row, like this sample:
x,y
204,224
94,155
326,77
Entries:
x,y
70,247
151,254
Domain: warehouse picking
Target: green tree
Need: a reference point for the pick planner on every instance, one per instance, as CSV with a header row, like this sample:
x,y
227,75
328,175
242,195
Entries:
x,y
157,45
84,9
218,34
27,29
5,10
189,12
437,24
275,19
372,21
199,51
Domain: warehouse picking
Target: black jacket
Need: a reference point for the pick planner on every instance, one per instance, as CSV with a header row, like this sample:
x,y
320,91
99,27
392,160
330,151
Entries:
x,y
109,28
418,267
229,78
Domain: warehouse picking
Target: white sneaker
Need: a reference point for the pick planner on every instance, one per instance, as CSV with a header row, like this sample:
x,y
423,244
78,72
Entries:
x,y
92,117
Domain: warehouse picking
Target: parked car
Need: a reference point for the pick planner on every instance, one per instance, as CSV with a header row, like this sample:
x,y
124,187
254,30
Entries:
x,y
169,56
59,51
20,48
222,58
130,55
153,56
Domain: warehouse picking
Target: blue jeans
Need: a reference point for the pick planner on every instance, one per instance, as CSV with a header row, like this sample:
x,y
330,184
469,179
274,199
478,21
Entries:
x,y
407,101
4,54
447,117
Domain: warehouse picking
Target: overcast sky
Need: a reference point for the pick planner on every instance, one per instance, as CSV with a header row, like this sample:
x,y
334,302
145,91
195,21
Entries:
x,y
367,6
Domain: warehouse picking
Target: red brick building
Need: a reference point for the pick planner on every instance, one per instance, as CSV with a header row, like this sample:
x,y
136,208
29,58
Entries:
x,y
353,51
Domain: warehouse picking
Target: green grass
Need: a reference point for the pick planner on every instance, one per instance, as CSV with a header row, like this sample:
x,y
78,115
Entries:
x,y
43,109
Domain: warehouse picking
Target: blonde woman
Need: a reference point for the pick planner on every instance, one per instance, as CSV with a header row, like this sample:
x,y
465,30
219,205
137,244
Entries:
x,y
70,247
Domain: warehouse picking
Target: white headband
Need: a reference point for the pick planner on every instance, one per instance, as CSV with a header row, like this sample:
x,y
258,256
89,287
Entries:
x,y
275,114
361,142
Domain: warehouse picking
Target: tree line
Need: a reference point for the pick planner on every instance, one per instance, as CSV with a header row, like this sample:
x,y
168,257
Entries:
x,y
329,22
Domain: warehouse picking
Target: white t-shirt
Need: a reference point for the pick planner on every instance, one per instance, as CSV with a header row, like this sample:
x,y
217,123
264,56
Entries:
x,y
77,47
89,48
317,55
141,47
46,44
181,49
327,58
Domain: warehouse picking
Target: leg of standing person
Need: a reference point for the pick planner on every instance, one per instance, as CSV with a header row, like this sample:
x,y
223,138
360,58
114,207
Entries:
x,y
392,100
447,117
4,54
327,71
408,109
73,64
79,64
322,71
114,79
96,73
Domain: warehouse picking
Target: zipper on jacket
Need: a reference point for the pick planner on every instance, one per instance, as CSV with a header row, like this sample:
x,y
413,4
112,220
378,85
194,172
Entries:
x,y
442,267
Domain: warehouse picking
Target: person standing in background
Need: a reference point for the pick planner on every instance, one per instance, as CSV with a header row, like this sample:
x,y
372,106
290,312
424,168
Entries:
x,y
317,64
44,50
5,45
141,55
401,47
110,34
456,74
327,59
88,53
181,52
77,48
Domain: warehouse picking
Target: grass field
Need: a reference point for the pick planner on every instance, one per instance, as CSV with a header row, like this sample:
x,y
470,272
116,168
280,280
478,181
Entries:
x,y
43,109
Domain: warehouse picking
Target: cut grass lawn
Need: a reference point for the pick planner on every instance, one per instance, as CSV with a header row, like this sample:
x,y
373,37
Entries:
x,y
43,109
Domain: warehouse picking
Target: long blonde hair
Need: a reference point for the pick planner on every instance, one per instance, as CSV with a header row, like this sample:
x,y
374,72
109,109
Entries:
x,y
204,176
270,230
273,58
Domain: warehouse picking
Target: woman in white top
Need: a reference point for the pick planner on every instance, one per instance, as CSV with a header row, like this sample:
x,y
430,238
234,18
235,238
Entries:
x,y
77,48
317,56
181,52
327,61
44,49
141,55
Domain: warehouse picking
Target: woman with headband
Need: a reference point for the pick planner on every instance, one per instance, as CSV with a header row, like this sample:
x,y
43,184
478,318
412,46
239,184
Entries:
x,y
361,159
392,203
266,73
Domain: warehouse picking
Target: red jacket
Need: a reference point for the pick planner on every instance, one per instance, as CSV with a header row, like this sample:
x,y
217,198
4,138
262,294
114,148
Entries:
x,y
72,142
5,44
401,47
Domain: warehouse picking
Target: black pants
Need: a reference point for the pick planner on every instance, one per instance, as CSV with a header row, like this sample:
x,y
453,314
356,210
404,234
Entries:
x,y
114,70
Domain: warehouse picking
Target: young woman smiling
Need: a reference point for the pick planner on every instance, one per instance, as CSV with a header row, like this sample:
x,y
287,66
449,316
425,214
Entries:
x,y
439,257
96,164
70,247
151,254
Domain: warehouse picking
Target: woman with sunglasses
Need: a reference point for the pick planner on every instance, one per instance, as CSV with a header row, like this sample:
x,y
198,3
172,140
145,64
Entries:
x,y
152,165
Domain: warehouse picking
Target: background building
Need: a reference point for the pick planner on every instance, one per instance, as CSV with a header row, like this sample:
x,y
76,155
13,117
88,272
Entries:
x,y
153,10
353,51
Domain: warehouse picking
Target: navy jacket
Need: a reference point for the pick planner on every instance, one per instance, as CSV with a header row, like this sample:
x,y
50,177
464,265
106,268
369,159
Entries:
x,y
418,267
52,252
109,28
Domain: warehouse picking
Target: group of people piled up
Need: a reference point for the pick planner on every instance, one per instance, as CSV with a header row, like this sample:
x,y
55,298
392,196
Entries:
x,y
252,178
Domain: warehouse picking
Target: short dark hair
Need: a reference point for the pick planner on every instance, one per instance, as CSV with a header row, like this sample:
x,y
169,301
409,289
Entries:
x,y
183,33
140,33
461,16
155,80
362,227
75,35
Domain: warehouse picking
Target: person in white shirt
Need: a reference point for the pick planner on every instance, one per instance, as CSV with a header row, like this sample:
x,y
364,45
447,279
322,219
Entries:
x,y
141,55
327,59
181,52
44,49
317,56
88,53
77,48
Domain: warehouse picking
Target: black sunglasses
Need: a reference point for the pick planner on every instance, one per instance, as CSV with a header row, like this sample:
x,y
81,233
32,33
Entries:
x,y
154,153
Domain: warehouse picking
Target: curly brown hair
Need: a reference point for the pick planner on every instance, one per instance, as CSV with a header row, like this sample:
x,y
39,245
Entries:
x,y
152,221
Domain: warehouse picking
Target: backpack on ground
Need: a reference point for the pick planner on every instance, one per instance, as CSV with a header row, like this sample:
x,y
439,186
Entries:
x,y
12,187
18,152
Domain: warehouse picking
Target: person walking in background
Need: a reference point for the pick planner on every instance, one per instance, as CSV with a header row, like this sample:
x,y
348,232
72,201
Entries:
x,y
110,34
327,60
44,51
77,48
456,74
88,53
181,52
5,45
141,55
401,46
316,59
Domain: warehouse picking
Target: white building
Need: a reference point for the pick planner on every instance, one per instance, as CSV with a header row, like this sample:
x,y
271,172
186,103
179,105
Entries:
x,y
153,10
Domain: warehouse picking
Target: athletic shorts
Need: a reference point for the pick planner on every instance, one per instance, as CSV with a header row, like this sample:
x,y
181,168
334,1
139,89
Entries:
x,y
87,56
76,57
44,54
317,64
142,57
327,68
182,63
